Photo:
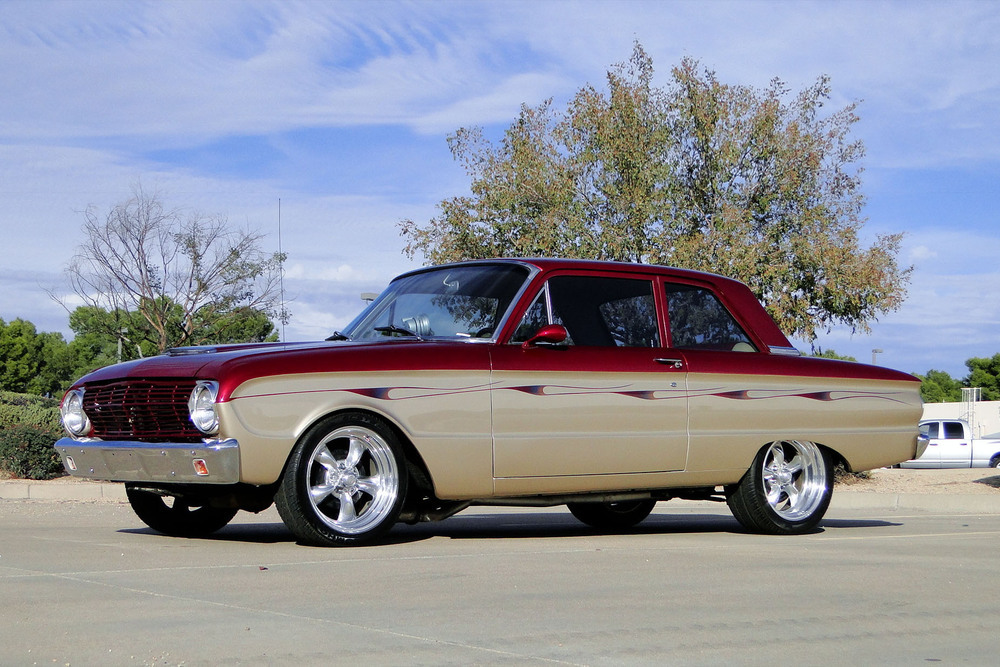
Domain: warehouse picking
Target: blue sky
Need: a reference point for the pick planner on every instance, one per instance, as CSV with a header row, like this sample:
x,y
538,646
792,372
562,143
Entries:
x,y
340,110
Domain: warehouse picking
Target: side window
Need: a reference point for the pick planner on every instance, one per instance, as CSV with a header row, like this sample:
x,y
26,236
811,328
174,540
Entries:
x,y
953,431
931,430
698,321
596,311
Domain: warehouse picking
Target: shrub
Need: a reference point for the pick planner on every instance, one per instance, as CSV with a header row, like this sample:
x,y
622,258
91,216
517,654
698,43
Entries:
x,y
27,452
29,410
842,476
29,425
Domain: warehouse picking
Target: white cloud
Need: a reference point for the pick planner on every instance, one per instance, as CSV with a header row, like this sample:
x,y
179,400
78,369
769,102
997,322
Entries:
x,y
922,253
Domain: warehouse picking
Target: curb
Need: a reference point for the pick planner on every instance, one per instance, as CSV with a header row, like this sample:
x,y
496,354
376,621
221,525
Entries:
x,y
842,500
77,490
926,502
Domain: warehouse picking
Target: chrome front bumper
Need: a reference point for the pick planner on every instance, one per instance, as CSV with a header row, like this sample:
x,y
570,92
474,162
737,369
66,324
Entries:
x,y
211,462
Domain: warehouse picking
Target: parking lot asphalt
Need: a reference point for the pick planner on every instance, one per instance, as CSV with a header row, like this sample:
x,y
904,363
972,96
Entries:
x,y
85,583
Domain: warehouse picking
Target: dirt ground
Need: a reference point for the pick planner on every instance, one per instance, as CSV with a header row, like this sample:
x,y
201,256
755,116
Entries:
x,y
975,481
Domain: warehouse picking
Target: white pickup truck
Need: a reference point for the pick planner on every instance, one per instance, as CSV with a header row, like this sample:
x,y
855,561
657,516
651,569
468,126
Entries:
x,y
952,446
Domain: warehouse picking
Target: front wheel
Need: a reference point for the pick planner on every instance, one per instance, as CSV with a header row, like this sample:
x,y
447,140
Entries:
x,y
786,491
176,515
612,516
345,482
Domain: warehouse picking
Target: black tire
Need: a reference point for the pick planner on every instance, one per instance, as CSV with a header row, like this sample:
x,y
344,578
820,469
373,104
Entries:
x,y
612,516
345,482
177,516
786,491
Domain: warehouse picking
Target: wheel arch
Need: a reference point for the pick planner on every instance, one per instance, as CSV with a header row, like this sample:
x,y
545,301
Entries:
x,y
415,465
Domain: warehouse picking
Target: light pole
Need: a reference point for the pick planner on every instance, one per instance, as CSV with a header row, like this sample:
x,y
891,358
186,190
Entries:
x,y
877,351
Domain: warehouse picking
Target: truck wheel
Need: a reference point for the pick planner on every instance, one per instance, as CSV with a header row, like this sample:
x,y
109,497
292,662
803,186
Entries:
x,y
612,516
177,517
345,482
995,462
786,491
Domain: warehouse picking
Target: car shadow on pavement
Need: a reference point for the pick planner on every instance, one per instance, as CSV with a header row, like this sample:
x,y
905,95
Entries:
x,y
858,523
257,533
520,525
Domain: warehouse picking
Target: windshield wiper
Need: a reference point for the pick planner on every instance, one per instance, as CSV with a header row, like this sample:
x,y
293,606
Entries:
x,y
395,329
338,336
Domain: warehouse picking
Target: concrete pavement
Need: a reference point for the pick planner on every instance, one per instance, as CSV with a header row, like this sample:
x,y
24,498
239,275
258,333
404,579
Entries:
x,y
85,583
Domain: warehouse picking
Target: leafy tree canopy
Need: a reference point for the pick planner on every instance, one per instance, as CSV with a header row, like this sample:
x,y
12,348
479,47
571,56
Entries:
x,y
756,184
985,373
831,354
32,362
939,387
103,337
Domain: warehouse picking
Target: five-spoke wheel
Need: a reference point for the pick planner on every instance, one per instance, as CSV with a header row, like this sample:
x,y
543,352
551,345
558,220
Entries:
x,y
345,482
786,491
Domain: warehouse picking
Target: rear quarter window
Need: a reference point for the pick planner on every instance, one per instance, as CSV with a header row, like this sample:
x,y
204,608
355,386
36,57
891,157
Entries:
x,y
699,321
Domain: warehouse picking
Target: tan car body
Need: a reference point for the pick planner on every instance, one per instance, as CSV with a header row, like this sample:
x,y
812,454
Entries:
x,y
588,433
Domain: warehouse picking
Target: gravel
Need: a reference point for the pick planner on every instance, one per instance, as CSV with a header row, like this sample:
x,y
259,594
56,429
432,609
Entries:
x,y
974,481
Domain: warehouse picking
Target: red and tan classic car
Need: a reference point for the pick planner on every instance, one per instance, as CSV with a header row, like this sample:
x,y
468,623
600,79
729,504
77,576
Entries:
x,y
605,387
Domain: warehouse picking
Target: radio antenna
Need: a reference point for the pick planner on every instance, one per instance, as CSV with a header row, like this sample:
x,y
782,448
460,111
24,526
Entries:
x,y
281,277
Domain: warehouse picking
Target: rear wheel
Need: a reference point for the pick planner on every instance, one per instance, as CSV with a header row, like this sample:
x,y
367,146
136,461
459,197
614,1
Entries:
x,y
786,491
612,516
345,482
176,515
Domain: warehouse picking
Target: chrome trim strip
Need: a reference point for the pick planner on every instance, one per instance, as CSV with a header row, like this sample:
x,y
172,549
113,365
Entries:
x,y
131,461
783,351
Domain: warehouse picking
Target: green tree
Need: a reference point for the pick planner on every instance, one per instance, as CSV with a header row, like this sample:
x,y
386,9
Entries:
x,y
32,362
104,337
831,354
745,182
985,373
191,279
939,387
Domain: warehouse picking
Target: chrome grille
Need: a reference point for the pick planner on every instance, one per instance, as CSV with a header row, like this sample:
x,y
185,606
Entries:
x,y
145,410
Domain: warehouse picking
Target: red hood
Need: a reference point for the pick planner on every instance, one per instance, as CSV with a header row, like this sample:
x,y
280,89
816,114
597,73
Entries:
x,y
233,365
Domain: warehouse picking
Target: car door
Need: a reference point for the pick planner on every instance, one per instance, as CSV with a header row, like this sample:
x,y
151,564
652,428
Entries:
x,y
953,447
931,458
607,401
725,375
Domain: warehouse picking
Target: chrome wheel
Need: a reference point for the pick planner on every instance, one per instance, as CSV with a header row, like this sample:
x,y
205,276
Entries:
x,y
787,489
345,481
794,478
353,480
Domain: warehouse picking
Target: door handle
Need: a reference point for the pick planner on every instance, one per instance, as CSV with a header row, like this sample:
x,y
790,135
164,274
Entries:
x,y
676,363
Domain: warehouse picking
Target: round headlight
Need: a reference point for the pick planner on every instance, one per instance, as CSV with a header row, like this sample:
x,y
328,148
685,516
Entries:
x,y
201,406
74,419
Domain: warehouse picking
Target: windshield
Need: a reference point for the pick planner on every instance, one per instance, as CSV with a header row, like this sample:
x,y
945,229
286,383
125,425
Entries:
x,y
452,302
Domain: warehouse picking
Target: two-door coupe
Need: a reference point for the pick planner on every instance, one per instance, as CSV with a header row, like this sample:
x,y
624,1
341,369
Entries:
x,y
605,387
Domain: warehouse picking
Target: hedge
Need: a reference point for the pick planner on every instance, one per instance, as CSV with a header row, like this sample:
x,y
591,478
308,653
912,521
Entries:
x,y
29,425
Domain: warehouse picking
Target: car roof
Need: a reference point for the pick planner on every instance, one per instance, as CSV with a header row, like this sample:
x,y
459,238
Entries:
x,y
547,264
